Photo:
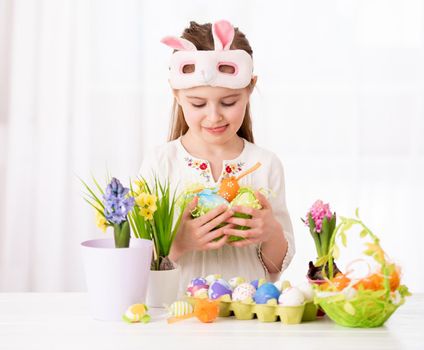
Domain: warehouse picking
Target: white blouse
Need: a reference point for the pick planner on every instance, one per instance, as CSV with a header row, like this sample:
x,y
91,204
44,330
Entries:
x,y
173,161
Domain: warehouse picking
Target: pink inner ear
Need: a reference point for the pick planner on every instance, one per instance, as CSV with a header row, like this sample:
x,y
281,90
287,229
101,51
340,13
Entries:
x,y
178,43
173,42
225,33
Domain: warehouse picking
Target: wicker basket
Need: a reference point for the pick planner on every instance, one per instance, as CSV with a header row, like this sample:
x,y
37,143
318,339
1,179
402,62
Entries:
x,y
366,308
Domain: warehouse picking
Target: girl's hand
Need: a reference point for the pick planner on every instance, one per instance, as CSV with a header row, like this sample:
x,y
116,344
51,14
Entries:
x,y
263,224
197,234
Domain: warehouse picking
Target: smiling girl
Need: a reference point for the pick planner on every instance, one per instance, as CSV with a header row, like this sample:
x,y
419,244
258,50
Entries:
x,y
211,138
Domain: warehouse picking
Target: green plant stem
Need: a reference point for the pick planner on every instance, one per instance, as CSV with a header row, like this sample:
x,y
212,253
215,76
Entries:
x,y
317,242
122,234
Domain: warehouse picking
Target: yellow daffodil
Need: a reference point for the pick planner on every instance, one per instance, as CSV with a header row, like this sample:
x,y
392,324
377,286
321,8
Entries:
x,y
140,200
150,201
101,221
147,213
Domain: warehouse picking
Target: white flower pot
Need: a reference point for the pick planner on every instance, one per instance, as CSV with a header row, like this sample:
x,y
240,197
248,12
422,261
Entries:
x,y
163,287
116,277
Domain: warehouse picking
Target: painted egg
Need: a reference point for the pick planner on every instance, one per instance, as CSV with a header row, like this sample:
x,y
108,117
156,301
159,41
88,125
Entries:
x,y
197,282
307,290
198,291
219,288
208,200
243,291
180,308
198,287
212,278
229,188
236,281
257,283
291,297
136,313
266,292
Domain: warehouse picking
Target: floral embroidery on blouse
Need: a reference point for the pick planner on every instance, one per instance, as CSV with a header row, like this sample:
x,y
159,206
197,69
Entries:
x,y
200,165
230,169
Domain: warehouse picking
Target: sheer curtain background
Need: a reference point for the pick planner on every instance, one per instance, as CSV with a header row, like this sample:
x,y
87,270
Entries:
x,y
83,90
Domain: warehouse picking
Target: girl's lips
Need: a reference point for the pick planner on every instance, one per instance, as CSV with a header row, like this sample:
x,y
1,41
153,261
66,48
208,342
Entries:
x,y
217,130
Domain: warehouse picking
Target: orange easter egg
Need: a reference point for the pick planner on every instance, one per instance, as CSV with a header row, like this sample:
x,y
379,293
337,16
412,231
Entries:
x,y
340,281
372,282
229,188
206,310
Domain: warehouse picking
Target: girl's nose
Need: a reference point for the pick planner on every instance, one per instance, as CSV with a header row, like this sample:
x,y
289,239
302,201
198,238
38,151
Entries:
x,y
214,114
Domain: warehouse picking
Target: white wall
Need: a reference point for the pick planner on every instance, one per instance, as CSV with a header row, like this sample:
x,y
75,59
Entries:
x,y
340,99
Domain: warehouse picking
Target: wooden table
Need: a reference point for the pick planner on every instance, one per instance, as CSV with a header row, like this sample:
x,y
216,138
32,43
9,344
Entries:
x,y
61,321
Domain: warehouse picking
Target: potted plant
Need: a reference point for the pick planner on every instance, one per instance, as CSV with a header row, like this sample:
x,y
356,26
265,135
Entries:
x,y
117,269
155,216
322,223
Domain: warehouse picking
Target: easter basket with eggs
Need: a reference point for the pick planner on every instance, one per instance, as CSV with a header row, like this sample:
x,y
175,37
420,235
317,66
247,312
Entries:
x,y
366,301
229,193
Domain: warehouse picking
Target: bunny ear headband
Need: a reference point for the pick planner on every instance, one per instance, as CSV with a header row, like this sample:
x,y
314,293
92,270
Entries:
x,y
219,67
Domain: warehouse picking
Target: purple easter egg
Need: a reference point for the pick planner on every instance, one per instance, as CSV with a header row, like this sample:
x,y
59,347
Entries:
x,y
198,282
219,288
266,292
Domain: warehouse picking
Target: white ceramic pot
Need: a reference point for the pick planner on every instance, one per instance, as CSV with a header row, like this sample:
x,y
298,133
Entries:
x,y
116,277
163,287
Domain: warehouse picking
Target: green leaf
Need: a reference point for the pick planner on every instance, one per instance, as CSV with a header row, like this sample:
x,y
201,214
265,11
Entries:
x,y
321,261
336,252
357,213
363,233
343,237
325,236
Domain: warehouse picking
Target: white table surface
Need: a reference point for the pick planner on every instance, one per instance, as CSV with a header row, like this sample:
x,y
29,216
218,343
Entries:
x,y
61,321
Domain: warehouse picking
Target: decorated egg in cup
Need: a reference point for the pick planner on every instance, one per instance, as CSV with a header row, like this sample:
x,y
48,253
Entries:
x,y
198,288
291,297
292,306
220,289
244,293
267,293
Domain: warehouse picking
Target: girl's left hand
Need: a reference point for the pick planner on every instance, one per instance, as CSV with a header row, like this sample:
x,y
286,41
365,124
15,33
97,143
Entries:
x,y
263,224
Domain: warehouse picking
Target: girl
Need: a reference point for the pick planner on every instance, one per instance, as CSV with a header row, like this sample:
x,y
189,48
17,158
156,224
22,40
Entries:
x,y
211,76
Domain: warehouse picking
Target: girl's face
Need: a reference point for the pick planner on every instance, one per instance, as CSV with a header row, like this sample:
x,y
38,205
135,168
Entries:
x,y
214,114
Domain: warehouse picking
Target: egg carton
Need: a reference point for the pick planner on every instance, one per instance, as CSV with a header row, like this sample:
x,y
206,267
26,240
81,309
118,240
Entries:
x,y
266,313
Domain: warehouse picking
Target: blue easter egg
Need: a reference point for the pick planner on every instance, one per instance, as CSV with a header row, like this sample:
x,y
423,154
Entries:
x,y
266,292
210,199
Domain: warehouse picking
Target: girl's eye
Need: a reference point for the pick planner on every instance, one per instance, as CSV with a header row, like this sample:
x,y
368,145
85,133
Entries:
x,y
229,104
198,106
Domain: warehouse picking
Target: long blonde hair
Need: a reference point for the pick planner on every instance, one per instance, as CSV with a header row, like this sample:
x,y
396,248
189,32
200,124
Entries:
x,y
201,36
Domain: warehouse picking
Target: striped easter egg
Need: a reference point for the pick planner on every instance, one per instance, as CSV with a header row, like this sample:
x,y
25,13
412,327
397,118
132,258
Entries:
x,y
180,308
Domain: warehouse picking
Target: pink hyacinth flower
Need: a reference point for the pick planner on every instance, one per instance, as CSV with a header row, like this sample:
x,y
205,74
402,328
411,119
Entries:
x,y
318,212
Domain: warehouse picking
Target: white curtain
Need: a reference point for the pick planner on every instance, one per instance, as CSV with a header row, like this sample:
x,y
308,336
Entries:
x,y
83,90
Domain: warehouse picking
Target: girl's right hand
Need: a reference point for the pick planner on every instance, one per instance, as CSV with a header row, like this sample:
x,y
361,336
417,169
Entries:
x,y
197,234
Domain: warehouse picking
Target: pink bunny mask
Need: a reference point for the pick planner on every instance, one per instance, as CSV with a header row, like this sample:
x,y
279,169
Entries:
x,y
208,63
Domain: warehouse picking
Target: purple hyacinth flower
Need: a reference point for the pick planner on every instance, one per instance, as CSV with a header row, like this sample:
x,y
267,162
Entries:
x,y
116,204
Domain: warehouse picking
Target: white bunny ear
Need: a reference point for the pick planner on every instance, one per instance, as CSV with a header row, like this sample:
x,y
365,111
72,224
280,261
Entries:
x,y
178,43
223,35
